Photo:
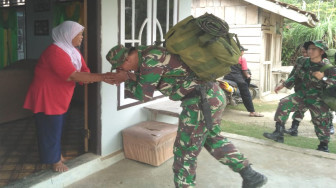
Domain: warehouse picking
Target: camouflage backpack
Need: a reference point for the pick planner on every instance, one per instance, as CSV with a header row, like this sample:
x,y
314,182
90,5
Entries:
x,y
205,45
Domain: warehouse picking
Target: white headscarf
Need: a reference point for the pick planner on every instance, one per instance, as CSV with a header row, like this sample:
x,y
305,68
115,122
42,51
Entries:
x,y
63,35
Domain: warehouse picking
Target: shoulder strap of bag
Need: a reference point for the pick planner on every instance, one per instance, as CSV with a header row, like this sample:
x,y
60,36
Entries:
x,y
325,67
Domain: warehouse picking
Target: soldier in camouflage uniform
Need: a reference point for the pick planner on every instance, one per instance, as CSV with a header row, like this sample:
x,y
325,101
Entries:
x,y
146,69
309,96
299,114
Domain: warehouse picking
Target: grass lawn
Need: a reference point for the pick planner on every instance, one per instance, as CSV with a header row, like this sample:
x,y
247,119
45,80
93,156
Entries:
x,y
256,131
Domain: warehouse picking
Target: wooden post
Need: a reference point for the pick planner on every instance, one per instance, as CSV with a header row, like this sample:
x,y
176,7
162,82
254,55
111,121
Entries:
x,y
86,121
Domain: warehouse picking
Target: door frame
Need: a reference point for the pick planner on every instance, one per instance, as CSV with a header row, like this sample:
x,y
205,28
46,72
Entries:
x,y
265,77
94,61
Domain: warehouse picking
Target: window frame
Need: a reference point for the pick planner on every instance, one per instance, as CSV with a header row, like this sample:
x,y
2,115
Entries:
x,y
149,24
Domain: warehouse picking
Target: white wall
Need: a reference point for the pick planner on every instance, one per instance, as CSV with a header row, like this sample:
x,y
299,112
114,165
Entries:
x,y
114,121
36,44
185,9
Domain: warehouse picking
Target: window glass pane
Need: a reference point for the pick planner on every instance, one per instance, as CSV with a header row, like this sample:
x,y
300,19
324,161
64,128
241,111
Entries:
x,y
164,10
128,19
128,44
162,18
268,47
144,36
21,35
171,13
140,18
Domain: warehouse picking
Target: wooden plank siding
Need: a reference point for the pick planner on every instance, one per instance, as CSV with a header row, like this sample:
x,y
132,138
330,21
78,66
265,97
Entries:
x,y
232,11
251,38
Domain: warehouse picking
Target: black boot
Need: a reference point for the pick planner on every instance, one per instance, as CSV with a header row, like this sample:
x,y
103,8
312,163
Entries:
x,y
251,178
294,129
277,135
323,147
332,130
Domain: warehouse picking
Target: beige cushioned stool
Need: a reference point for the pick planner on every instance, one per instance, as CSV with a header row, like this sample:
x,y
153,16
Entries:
x,y
149,142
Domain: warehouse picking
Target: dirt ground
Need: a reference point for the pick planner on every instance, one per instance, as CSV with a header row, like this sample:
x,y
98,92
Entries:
x,y
306,127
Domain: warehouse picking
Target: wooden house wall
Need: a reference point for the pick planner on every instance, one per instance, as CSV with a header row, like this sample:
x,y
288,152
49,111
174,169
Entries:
x,y
235,12
250,23
272,24
244,20
251,38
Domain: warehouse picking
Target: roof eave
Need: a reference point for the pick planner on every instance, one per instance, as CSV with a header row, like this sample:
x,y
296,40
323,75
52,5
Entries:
x,y
304,19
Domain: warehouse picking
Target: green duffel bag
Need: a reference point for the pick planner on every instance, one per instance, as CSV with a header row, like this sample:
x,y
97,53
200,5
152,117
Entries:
x,y
205,45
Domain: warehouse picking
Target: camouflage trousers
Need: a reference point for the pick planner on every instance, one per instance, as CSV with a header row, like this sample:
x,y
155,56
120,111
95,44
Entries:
x,y
319,112
299,115
192,135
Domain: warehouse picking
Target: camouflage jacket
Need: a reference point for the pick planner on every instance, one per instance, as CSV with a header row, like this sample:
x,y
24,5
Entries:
x,y
297,66
311,85
160,70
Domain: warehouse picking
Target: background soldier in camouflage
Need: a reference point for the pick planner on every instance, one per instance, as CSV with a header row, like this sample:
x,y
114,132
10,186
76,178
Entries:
x,y
155,69
309,96
299,114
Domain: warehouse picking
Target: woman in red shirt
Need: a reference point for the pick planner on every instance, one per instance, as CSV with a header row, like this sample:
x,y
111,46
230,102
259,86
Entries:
x,y
50,93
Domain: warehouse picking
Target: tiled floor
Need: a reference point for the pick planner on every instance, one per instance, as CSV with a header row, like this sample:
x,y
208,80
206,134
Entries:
x,y
18,145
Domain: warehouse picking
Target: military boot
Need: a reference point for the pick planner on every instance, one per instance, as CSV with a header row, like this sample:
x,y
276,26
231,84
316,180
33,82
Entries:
x,y
332,129
251,178
323,147
294,129
277,135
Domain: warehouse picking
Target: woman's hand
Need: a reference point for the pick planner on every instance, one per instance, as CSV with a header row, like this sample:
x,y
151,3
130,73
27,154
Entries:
x,y
107,77
116,77
319,75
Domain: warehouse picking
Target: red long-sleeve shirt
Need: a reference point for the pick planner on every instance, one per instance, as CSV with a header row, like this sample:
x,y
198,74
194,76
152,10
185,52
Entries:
x,y
50,92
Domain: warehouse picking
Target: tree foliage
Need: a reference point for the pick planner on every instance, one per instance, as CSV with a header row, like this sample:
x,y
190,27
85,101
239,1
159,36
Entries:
x,y
294,34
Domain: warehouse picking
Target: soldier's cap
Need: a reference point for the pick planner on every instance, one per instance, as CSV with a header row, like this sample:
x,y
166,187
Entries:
x,y
117,55
318,43
241,48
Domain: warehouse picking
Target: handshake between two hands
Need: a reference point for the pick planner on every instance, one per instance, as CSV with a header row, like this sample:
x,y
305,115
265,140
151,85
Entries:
x,y
115,78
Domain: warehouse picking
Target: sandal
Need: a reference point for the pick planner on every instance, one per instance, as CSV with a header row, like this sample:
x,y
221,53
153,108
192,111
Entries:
x,y
256,114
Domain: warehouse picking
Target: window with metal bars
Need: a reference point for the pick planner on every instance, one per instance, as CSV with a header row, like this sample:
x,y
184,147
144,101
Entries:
x,y
11,3
144,22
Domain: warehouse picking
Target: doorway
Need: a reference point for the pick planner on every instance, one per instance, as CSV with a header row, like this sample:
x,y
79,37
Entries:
x,y
18,144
